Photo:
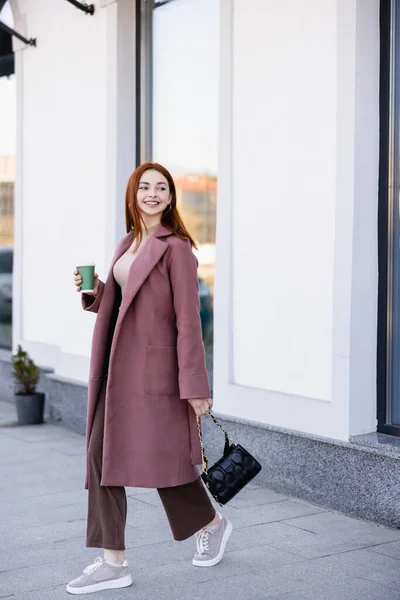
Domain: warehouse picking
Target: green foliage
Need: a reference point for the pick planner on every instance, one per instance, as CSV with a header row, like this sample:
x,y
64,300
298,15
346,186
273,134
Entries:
x,y
25,372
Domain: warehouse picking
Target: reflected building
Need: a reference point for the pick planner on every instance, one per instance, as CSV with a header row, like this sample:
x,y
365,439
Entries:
x,y
196,198
7,181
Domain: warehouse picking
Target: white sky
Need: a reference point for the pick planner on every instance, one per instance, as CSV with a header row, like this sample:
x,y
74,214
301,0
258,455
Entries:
x,y
186,80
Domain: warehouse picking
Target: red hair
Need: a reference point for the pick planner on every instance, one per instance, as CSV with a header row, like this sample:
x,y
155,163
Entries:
x,y
170,218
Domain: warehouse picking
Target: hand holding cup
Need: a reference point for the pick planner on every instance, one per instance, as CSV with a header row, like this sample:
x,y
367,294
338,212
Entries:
x,y
86,280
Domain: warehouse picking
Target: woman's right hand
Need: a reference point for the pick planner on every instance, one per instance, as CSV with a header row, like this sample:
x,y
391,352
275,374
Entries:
x,y
78,281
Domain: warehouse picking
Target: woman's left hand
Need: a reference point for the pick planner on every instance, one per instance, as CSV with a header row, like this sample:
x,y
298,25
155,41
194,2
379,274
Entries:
x,y
201,406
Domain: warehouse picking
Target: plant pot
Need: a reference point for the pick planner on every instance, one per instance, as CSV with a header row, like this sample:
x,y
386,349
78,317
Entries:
x,y
30,408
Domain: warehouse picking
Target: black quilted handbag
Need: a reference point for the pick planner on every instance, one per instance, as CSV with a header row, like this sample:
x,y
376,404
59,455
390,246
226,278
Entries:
x,y
235,469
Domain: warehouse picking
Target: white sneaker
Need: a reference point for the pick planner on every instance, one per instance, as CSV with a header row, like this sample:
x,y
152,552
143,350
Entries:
x,y
100,576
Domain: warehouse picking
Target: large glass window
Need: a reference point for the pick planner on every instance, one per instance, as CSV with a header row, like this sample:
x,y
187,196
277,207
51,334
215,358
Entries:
x,y
179,121
7,179
389,222
7,175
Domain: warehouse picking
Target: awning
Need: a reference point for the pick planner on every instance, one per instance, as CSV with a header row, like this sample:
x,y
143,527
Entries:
x,y
6,33
6,51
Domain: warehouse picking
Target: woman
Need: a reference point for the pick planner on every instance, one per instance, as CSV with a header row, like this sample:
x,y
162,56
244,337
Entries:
x,y
147,384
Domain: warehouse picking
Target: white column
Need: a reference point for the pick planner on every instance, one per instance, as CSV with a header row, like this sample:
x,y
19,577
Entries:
x,y
291,229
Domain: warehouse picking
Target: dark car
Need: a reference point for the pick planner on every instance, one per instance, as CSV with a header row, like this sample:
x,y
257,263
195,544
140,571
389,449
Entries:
x,y
6,269
206,308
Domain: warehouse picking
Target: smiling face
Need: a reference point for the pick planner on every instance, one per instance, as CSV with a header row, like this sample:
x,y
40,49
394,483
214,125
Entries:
x,y
153,196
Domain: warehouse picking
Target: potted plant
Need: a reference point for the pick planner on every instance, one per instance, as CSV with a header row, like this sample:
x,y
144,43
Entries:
x,y
30,404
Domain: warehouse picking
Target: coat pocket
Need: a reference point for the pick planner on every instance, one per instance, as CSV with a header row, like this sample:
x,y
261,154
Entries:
x,y
161,375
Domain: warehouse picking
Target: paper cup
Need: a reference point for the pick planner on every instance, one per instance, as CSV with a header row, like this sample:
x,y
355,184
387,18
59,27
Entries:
x,y
87,273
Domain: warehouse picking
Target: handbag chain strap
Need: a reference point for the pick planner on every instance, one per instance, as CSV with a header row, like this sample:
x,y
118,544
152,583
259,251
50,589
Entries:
x,y
204,458
203,452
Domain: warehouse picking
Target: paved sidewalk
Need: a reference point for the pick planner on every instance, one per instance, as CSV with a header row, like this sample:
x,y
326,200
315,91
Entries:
x,y
280,548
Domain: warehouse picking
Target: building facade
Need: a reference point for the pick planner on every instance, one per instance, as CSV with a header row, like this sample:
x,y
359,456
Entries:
x,y
279,122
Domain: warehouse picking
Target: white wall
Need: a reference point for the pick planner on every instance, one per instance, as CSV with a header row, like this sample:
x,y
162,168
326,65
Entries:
x,y
363,338
284,114
285,223
295,319
69,172
64,171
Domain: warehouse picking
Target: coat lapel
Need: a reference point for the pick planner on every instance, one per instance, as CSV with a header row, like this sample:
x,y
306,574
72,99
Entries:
x,y
140,269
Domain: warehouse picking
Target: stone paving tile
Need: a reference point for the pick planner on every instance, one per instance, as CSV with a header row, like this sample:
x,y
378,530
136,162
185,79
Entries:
x,y
261,558
271,534
288,597
147,535
64,447
11,446
389,549
297,577
358,563
44,434
45,554
46,501
161,553
8,413
267,513
51,593
327,522
336,542
53,486
332,569
33,518
43,533
351,589
141,513
369,565
256,496
132,491
390,578
41,477
335,568
322,546
30,578
245,585
281,548
178,574
147,497
48,462
10,456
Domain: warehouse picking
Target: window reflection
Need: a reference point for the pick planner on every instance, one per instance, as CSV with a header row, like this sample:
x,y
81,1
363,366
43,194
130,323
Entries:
x,y
185,127
7,177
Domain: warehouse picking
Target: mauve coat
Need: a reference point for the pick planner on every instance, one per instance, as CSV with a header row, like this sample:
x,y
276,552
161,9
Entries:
x,y
156,363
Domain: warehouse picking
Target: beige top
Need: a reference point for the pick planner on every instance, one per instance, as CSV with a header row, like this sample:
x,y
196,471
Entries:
x,y
121,269
123,264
